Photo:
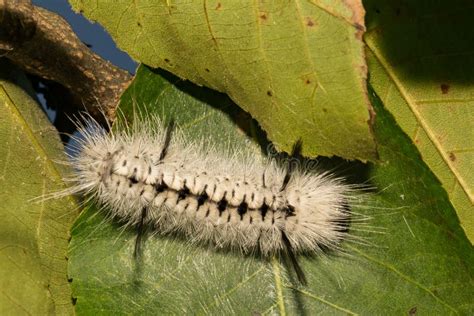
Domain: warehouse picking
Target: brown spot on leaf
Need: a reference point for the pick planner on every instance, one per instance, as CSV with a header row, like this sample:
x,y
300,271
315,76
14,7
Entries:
x,y
412,311
309,22
359,27
444,88
325,110
167,60
263,16
452,156
207,70
139,24
269,93
219,6
307,81
358,17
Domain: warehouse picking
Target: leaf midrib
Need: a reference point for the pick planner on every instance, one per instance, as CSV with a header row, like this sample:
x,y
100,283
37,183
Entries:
x,y
15,112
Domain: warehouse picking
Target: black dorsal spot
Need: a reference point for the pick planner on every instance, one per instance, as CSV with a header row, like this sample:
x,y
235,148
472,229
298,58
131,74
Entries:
x,y
133,180
221,206
290,211
242,209
124,163
202,198
263,210
160,187
149,170
183,193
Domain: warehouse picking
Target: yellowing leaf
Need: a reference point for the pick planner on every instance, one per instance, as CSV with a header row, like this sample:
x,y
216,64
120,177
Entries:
x,y
420,59
297,67
34,236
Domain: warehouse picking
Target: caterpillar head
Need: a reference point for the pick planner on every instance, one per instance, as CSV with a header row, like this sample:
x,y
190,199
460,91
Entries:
x,y
93,156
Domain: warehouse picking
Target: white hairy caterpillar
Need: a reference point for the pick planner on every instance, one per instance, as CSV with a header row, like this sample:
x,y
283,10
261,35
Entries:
x,y
153,177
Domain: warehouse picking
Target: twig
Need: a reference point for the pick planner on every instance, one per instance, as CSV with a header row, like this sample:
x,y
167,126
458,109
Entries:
x,y
44,44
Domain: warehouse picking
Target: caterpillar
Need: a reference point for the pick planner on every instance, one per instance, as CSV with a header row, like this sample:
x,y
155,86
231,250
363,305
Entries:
x,y
153,177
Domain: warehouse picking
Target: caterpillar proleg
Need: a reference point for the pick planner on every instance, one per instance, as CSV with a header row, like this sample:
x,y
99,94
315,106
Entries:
x,y
155,178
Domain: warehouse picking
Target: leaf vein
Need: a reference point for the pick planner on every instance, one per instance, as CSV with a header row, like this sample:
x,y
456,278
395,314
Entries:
x,y
403,276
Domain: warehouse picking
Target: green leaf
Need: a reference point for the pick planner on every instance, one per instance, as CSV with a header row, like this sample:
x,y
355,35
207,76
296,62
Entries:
x,y
419,57
421,262
297,67
34,236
